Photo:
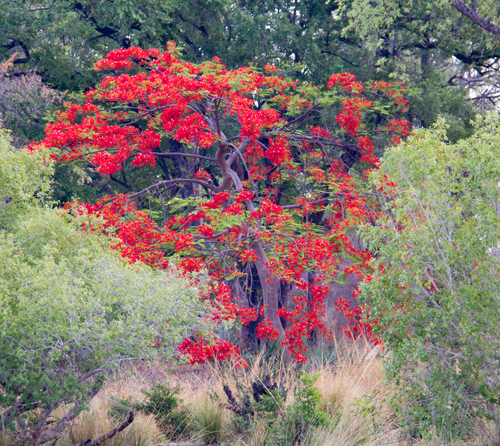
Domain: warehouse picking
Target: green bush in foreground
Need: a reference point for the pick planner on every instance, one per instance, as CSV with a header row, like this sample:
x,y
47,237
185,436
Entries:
x,y
437,298
71,311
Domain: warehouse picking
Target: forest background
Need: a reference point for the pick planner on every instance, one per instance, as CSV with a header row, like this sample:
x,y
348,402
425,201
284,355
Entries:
x,y
444,52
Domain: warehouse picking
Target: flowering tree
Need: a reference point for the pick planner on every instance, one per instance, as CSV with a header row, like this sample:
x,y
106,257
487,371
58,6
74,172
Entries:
x,y
254,179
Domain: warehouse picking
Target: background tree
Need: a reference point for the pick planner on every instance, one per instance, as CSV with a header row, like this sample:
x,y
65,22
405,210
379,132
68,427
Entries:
x,y
446,60
63,39
421,40
434,293
24,103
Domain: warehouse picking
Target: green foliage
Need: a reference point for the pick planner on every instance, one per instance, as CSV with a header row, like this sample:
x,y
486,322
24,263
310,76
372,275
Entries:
x,y
71,310
163,402
307,397
119,409
369,408
304,414
285,424
290,425
24,181
432,49
437,284
63,39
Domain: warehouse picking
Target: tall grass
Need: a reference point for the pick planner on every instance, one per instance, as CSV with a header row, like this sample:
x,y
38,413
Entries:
x,y
211,423
354,373
98,420
352,391
351,384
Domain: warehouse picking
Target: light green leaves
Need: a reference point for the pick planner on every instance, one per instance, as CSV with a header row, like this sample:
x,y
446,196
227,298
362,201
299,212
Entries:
x,y
438,297
71,309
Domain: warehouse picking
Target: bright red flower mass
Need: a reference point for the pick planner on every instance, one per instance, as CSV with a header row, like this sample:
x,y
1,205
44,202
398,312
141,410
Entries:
x,y
269,166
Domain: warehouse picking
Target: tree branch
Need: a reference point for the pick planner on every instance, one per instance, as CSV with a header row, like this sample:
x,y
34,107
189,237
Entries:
x,y
209,186
188,155
475,17
111,433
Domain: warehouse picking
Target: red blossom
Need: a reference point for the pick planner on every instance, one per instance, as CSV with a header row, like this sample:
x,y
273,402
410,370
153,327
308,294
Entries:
x,y
245,218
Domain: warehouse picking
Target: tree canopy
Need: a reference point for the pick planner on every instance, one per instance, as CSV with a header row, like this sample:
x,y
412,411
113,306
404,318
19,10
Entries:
x,y
249,175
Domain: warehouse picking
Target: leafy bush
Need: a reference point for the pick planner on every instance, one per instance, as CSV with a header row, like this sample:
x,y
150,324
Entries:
x,y
296,421
163,402
24,181
71,310
435,292
266,403
119,409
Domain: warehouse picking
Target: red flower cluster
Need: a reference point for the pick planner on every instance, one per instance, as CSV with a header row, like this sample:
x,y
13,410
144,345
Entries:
x,y
201,351
359,317
202,174
347,81
350,116
266,331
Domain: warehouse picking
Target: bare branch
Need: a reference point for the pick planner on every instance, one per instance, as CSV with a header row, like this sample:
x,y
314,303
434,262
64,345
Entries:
x,y
187,155
111,433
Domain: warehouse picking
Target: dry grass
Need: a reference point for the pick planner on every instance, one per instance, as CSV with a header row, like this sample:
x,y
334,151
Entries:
x,y
352,391
356,372
211,423
344,385
144,431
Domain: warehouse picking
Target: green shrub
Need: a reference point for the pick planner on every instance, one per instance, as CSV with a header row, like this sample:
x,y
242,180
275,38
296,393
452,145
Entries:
x,y
24,181
119,409
285,423
436,287
162,401
71,310
296,421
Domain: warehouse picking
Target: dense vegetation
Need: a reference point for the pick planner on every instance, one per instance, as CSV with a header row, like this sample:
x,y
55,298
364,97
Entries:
x,y
172,191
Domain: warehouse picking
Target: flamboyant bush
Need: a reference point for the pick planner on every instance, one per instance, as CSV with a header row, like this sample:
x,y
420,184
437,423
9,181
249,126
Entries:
x,y
435,287
246,175
71,310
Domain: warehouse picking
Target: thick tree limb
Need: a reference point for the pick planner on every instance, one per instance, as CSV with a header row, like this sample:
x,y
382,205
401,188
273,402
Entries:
x,y
233,405
99,441
475,17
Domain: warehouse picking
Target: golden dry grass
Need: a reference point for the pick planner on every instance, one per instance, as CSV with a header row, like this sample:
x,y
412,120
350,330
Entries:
x,y
352,389
144,431
346,385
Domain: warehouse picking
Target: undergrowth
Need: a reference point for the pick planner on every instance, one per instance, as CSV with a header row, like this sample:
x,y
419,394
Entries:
x,y
334,400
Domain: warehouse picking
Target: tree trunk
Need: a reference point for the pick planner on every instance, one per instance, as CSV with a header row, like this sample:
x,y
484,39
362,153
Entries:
x,y
270,289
